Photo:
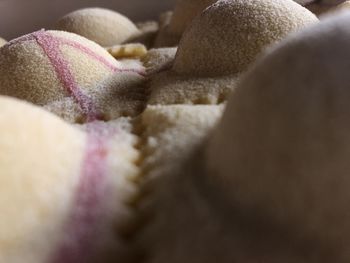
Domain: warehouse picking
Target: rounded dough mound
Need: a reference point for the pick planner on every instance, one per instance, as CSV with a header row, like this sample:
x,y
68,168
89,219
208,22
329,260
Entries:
x,y
2,42
72,183
105,27
229,35
282,149
40,157
70,75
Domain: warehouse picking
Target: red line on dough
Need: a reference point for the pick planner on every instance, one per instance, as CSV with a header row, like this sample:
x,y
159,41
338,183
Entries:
x,y
81,232
82,229
51,47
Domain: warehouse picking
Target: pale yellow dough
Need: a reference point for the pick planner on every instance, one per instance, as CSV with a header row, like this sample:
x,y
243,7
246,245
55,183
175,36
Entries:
x,y
127,51
114,92
219,45
186,178
171,132
42,161
170,88
229,35
40,158
105,27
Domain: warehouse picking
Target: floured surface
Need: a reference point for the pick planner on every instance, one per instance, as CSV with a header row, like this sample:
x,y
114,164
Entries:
x,y
229,35
171,88
172,132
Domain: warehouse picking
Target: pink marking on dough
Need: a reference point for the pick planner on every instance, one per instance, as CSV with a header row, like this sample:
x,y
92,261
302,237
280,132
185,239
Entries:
x,y
82,229
97,57
51,47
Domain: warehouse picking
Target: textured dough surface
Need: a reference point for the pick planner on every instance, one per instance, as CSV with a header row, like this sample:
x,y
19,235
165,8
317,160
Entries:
x,y
77,79
40,159
87,186
167,87
105,27
171,88
117,189
162,124
71,183
170,134
230,34
282,148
